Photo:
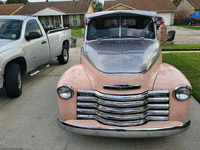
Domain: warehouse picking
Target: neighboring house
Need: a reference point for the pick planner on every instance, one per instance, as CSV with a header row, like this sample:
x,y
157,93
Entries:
x,y
164,8
59,14
10,9
185,8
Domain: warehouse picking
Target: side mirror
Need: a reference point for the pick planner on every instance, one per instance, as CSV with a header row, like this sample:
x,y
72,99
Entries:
x,y
32,35
171,35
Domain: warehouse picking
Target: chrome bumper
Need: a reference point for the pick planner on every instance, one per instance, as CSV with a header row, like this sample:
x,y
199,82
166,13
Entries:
x,y
124,133
1,81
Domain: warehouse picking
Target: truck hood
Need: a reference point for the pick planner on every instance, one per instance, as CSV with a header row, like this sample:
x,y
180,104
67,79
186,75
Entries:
x,y
5,44
122,56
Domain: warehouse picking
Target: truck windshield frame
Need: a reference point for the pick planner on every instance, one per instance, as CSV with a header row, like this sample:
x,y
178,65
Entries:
x,y
120,27
10,29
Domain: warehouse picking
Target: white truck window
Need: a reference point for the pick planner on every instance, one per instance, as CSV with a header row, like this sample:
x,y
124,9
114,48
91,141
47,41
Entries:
x,y
10,29
32,26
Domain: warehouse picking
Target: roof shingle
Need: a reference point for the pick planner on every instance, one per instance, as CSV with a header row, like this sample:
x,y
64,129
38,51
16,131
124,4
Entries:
x,y
195,3
9,9
64,6
148,5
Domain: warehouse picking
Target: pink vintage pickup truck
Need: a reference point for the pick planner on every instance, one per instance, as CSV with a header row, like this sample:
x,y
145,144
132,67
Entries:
x,y
121,88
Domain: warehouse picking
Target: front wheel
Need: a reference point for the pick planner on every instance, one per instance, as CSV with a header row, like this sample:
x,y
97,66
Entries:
x,y
64,57
13,80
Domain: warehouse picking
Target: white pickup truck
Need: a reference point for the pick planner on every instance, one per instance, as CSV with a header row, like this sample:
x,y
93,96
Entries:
x,y
26,48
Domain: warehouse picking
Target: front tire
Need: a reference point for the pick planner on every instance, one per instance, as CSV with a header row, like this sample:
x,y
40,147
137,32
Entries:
x,y
13,80
64,57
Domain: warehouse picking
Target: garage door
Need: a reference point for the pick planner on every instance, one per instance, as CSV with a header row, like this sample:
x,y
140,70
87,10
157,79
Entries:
x,y
166,17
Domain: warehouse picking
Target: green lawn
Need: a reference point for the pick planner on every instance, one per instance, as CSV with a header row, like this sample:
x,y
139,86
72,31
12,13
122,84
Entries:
x,y
189,27
189,65
77,33
183,47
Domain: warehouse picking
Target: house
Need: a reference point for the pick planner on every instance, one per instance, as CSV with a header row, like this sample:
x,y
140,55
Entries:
x,y
58,14
185,8
10,9
164,8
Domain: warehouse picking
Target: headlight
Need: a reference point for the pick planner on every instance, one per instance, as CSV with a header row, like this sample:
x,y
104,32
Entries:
x,y
65,91
182,92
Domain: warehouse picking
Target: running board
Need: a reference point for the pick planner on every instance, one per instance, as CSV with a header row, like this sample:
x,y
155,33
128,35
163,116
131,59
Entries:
x,y
34,72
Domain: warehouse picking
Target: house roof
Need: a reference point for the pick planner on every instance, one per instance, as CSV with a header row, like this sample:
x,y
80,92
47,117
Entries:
x,y
9,9
68,7
148,5
194,3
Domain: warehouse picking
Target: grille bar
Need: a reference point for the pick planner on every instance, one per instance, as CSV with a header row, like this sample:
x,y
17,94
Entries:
x,y
123,97
123,110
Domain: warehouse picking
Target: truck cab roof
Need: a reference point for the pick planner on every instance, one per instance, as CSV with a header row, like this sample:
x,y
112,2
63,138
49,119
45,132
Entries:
x,y
16,17
133,12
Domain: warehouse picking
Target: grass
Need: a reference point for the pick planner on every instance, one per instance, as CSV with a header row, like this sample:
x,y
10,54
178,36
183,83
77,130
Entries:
x,y
189,65
77,33
182,47
189,27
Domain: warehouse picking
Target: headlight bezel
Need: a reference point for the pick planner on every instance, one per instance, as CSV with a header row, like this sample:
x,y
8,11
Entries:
x,y
177,91
69,88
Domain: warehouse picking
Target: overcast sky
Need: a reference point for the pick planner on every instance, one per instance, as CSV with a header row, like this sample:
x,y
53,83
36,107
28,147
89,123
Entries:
x,y
102,1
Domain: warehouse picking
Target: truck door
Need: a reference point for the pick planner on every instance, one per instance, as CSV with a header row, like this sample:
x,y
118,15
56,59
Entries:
x,y
36,46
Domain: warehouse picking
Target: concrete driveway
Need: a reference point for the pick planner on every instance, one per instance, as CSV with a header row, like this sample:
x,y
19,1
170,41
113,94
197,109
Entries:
x,y
185,36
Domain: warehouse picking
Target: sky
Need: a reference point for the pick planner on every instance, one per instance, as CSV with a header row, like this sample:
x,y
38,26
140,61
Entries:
x,y
102,1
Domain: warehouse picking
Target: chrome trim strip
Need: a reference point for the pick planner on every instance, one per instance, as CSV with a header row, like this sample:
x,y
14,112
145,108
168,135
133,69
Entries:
x,y
121,123
123,97
124,132
158,99
117,120
123,110
111,103
119,111
119,117
123,104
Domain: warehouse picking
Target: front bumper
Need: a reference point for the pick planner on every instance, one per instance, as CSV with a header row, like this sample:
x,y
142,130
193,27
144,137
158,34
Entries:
x,y
149,130
1,81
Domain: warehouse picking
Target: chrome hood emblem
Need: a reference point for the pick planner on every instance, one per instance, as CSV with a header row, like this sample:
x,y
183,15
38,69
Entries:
x,y
122,87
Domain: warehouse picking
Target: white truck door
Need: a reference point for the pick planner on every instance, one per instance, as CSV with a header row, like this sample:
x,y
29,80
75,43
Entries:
x,y
37,48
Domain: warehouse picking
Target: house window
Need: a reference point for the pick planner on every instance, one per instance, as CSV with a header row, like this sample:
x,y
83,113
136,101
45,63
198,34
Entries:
x,y
57,21
74,20
46,21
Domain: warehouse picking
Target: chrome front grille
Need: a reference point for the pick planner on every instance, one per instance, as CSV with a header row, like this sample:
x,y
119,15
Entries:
x,y
123,110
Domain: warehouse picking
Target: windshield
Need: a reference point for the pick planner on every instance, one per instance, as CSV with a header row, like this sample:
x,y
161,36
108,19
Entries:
x,y
10,29
121,27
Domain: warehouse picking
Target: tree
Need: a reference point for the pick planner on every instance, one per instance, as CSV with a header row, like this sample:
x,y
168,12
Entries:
x,y
175,1
97,5
1,2
16,1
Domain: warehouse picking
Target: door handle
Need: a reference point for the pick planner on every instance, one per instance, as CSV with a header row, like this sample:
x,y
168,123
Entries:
x,y
43,42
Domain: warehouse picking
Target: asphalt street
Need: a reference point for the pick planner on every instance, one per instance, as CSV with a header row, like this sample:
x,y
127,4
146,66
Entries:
x,y
29,122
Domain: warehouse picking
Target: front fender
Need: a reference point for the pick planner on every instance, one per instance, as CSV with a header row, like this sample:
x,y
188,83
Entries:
x,y
77,79
169,78
9,55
